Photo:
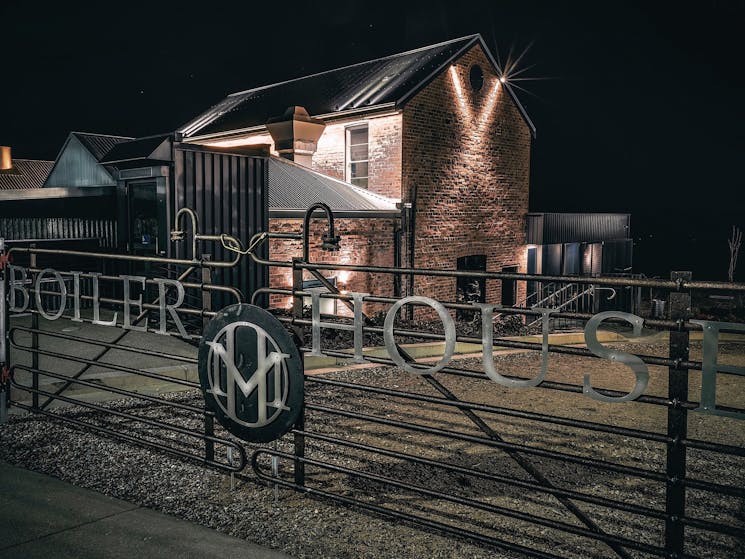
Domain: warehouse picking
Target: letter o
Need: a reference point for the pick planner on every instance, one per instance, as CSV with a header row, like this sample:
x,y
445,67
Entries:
x,y
63,294
390,343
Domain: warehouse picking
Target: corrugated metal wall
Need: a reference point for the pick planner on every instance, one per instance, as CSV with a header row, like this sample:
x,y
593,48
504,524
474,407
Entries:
x,y
229,194
29,228
550,228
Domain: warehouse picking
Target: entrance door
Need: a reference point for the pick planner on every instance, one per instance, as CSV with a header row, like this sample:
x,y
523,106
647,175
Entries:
x,y
142,219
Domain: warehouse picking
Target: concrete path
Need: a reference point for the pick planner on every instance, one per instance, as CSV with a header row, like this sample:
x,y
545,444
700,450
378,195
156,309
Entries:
x,y
43,517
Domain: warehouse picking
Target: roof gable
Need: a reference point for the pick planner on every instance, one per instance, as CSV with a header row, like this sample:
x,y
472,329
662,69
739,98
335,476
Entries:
x,y
363,87
78,162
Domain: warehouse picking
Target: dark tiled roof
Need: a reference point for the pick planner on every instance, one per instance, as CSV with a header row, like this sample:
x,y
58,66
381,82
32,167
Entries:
x,y
141,148
378,82
99,144
294,187
26,173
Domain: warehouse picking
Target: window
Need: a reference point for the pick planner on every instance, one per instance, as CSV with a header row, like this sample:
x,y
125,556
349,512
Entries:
x,y
476,77
357,161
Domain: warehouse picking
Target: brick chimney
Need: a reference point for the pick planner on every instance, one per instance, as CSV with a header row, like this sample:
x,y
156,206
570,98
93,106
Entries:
x,y
296,134
6,161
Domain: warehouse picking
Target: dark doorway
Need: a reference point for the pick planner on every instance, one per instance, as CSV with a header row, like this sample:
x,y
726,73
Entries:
x,y
142,205
509,288
470,290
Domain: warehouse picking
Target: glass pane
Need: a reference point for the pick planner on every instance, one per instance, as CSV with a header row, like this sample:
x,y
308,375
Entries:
x,y
358,136
358,153
143,216
358,170
362,183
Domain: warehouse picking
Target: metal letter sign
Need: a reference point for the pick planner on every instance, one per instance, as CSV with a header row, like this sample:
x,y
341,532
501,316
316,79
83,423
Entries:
x,y
251,373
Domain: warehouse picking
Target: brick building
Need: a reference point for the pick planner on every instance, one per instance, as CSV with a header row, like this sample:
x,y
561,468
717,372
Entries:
x,y
437,132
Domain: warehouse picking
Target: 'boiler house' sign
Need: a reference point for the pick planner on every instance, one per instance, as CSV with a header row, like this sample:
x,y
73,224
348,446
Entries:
x,y
251,372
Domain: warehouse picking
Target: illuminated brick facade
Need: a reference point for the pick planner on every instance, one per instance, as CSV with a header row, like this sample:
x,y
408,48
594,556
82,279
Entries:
x,y
460,156
466,165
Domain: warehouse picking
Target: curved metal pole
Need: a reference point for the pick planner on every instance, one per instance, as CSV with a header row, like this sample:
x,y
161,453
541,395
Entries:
x,y
330,241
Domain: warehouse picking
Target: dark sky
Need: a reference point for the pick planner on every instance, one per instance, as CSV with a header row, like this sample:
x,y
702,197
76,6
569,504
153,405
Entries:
x,y
644,112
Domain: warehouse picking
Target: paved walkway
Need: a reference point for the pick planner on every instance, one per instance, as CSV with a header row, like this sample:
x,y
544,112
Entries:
x,y
43,517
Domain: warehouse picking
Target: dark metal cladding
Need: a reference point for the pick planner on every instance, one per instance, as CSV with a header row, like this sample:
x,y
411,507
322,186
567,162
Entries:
x,y
550,228
229,194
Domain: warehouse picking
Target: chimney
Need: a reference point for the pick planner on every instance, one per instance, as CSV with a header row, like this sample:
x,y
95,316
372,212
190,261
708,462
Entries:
x,y
6,161
296,134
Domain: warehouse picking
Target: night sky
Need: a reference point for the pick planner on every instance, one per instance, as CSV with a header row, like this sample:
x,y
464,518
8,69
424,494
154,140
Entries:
x,y
643,111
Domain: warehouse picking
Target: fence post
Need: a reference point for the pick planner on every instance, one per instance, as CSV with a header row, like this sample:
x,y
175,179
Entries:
x,y
206,279
677,421
34,341
297,312
4,323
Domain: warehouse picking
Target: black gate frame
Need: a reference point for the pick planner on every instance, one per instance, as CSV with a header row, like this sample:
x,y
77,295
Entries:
x,y
677,402
200,265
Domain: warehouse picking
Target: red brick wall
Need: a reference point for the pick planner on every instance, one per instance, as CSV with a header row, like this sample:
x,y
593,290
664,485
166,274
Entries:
x,y
466,158
384,136
363,241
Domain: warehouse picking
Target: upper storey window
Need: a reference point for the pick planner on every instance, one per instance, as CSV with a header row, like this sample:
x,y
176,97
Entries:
x,y
357,155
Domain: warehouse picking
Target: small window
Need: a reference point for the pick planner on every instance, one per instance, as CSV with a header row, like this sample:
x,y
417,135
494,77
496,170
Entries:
x,y
357,156
476,77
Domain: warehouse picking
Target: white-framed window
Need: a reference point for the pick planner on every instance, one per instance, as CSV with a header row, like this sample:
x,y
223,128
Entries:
x,y
357,155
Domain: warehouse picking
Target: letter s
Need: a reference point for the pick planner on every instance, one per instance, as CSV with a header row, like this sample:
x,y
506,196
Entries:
x,y
632,361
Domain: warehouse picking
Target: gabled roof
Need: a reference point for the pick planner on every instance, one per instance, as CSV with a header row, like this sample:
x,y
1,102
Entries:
x,y
147,149
99,144
363,87
294,188
26,173
78,163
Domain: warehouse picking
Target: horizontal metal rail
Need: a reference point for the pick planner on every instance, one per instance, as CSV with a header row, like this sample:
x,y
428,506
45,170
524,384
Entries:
x,y
101,343
132,258
102,388
533,416
479,505
529,485
562,456
147,421
235,292
501,342
521,311
102,364
438,272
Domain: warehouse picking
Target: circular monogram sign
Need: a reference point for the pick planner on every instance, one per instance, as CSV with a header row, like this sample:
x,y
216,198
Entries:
x,y
251,373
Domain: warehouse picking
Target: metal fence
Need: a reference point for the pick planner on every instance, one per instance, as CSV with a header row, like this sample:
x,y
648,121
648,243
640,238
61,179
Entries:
x,y
674,523
70,359
541,470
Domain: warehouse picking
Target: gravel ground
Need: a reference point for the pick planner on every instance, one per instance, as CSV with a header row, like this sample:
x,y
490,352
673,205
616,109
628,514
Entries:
x,y
310,526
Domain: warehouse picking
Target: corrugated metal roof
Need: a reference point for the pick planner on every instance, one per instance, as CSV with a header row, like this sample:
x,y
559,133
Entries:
x,y
294,187
551,228
99,144
27,173
385,81
141,148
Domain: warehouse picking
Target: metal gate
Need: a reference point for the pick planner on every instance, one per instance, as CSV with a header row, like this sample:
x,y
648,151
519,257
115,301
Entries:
x,y
102,359
473,446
